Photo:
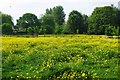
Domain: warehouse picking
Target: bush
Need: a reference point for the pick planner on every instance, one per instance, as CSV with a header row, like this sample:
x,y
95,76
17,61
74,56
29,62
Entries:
x,y
59,29
33,30
30,30
112,30
6,28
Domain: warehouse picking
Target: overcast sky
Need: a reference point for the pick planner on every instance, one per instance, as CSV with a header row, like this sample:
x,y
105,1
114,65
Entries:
x,y
16,8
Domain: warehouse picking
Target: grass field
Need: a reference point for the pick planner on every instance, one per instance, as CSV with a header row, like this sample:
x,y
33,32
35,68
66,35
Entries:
x,y
67,57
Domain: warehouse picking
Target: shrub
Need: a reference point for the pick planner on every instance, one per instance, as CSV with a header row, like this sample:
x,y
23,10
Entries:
x,y
112,30
6,28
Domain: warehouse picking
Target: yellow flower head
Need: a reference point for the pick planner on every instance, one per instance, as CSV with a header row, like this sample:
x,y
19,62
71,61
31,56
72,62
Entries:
x,y
83,74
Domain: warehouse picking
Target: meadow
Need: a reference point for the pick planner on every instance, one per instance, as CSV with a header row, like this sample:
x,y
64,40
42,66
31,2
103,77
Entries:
x,y
60,57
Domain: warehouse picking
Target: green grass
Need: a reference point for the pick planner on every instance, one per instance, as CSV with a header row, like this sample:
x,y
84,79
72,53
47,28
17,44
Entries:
x,y
61,57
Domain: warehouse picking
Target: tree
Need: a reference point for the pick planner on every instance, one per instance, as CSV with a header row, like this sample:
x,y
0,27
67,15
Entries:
x,y
59,15
58,29
59,18
33,30
75,22
118,17
6,28
48,24
66,29
85,23
102,16
6,23
6,19
49,11
28,20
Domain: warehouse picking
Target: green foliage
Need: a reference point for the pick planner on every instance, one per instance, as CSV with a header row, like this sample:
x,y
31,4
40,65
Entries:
x,y
33,30
0,29
59,15
75,22
106,15
49,11
118,18
6,19
27,20
66,29
112,30
6,24
104,20
30,30
6,28
58,29
48,24
85,24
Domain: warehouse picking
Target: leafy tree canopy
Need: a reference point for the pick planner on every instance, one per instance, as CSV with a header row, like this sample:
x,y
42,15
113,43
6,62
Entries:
x,y
28,20
6,18
102,16
75,22
6,28
59,15
48,24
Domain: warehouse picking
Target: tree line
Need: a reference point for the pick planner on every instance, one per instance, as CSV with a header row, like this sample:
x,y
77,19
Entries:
x,y
103,21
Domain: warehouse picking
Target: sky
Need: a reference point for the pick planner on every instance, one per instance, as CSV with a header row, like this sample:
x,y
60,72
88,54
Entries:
x,y
16,8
